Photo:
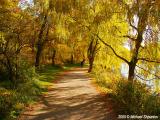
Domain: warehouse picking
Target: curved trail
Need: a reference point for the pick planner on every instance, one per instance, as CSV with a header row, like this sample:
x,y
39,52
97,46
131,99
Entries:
x,y
72,98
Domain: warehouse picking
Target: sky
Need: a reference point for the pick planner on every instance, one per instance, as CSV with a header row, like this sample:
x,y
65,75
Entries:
x,y
30,1
23,5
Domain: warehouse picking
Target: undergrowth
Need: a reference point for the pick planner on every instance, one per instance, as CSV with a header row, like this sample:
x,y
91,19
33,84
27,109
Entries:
x,y
129,99
26,89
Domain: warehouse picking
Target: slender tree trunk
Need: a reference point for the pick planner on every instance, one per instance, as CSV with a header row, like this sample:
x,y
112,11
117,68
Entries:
x,y
53,57
72,59
38,55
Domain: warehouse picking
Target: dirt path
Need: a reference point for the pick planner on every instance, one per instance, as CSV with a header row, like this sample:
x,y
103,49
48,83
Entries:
x,y
72,98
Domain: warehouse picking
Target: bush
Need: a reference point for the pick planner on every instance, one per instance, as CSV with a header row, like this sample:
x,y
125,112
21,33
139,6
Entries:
x,y
7,101
23,91
135,99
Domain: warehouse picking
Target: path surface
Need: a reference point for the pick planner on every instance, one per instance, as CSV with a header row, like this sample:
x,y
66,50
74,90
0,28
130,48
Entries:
x,y
73,97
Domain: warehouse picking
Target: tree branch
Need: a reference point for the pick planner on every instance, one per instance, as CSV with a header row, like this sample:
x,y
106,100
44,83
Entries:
x,y
148,71
145,79
132,25
148,60
130,37
120,57
98,49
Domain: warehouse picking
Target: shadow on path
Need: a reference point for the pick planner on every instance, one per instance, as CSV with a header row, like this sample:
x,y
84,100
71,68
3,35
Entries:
x,y
72,98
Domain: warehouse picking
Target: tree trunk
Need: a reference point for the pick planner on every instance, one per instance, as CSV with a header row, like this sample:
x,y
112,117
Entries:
x,y
38,55
92,50
134,59
10,72
53,57
40,41
91,60
141,26
72,59
131,72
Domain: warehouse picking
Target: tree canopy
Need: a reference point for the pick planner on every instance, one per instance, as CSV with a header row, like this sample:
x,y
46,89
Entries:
x,y
116,38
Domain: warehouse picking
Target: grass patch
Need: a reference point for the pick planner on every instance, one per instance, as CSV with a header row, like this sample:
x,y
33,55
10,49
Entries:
x,y
47,75
68,66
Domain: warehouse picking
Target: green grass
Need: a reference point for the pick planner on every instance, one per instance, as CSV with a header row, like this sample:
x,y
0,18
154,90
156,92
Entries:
x,y
46,76
68,66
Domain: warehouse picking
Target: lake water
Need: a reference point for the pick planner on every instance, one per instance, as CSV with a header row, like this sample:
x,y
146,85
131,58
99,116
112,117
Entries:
x,y
153,84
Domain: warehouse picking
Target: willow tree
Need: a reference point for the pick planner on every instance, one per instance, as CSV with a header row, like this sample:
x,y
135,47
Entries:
x,y
89,15
140,15
61,9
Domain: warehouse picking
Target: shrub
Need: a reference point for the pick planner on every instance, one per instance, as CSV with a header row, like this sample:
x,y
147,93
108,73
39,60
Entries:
x,y
7,101
22,92
135,99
